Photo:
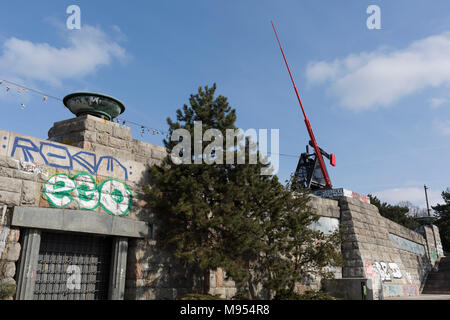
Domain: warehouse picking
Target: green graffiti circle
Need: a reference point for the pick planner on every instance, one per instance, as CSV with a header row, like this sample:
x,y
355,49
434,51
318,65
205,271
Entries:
x,y
57,194
83,189
117,196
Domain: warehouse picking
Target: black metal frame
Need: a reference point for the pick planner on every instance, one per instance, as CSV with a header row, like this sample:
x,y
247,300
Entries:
x,y
91,254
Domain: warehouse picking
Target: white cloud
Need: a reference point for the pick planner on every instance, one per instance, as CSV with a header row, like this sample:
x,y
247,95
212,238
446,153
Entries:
x,y
88,49
380,78
437,102
443,127
414,195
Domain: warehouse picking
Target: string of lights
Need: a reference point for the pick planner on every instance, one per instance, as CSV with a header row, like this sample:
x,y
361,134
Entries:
x,y
144,129
21,89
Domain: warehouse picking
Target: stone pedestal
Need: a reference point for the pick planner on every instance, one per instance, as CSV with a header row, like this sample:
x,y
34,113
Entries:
x,y
105,137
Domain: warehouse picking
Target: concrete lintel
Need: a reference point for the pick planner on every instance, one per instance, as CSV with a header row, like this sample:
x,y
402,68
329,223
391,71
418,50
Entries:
x,y
78,221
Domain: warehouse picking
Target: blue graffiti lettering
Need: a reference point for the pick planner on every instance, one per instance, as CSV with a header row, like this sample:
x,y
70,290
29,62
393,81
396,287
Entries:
x,y
55,148
53,154
88,164
110,165
26,148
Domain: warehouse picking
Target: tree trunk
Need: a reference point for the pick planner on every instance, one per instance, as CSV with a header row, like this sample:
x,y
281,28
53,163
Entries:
x,y
206,282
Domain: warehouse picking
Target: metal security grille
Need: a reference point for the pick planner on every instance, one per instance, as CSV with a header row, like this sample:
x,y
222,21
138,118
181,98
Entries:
x,y
73,267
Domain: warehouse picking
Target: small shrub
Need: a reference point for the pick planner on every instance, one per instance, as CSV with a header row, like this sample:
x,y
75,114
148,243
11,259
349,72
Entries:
x,y
7,290
242,295
307,295
198,296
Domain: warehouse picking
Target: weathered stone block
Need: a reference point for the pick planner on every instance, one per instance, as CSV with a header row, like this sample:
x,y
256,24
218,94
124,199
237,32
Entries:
x,y
103,149
158,154
9,184
8,281
21,175
117,143
86,145
9,270
90,136
102,138
103,127
13,252
141,148
14,235
30,193
153,162
6,172
122,133
141,158
10,198
357,272
12,163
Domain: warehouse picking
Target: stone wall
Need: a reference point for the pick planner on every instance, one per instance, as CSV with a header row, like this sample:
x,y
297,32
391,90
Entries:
x,y
395,258
88,164
9,248
95,165
329,213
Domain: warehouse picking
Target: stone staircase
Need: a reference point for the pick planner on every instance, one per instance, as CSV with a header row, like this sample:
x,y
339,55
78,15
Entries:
x,y
438,282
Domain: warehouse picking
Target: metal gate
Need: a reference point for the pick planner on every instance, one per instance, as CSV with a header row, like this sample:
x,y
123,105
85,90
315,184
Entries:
x,y
73,267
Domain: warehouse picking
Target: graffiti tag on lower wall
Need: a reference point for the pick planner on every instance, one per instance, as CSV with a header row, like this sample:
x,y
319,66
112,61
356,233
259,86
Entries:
x,y
386,271
31,168
400,290
112,195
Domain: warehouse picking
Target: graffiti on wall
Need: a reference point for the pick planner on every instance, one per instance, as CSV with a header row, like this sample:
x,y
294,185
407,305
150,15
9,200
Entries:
x,y
386,271
113,195
408,277
407,245
370,272
400,290
31,168
58,156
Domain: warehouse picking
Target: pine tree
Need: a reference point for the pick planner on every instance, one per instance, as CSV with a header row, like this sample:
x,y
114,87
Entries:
x,y
396,213
443,221
292,251
229,215
202,208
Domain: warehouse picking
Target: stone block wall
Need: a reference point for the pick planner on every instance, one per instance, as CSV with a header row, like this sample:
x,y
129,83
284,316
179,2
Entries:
x,y
109,138
221,284
9,248
394,257
100,156
434,244
329,212
91,158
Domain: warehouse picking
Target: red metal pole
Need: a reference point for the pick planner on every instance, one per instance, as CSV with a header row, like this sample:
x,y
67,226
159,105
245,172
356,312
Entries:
x,y
308,125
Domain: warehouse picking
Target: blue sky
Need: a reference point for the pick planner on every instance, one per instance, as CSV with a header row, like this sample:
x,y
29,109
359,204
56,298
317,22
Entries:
x,y
378,99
